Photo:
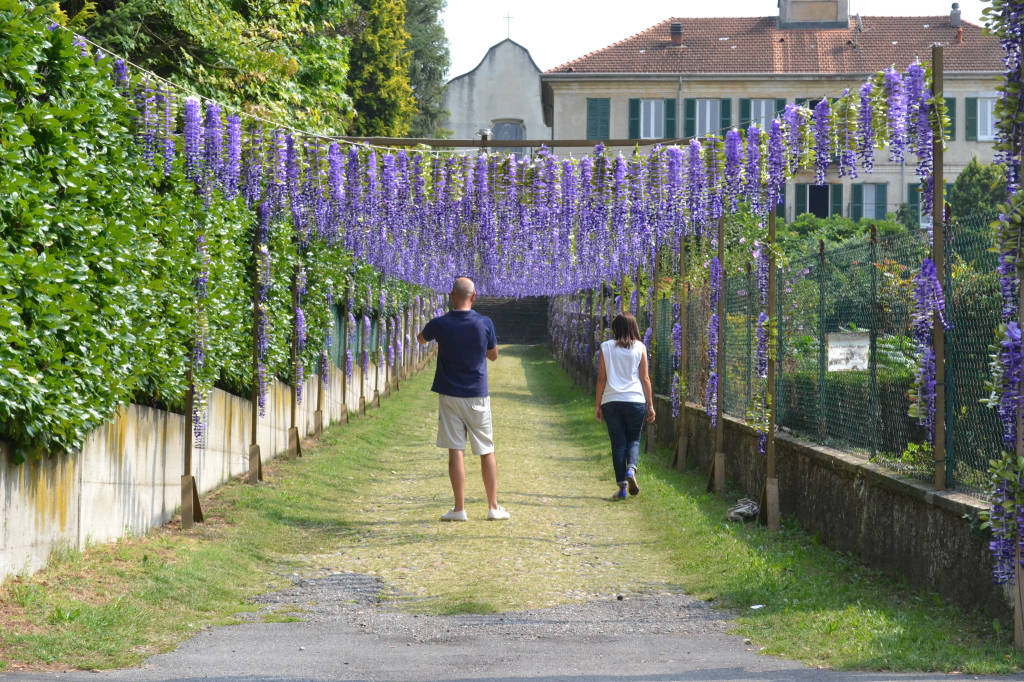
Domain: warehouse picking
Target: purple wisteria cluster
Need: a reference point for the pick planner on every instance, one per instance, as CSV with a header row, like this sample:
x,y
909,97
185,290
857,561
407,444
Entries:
x,y
715,296
822,139
676,394
300,331
928,304
1006,516
201,382
527,226
762,334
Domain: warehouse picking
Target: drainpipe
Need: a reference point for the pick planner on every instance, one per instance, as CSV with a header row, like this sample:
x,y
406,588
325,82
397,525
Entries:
x,y
680,115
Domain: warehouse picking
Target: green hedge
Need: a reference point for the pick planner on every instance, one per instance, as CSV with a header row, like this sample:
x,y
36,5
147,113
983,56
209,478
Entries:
x,y
847,408
97,255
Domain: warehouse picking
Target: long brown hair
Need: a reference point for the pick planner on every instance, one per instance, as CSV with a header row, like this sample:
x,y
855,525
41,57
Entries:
x,y
625,330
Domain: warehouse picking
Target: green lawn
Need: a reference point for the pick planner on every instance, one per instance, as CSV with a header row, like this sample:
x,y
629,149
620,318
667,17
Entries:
x,y
368,496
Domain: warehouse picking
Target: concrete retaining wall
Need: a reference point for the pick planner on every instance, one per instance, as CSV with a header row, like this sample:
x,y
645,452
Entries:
x,y
894,523
126,479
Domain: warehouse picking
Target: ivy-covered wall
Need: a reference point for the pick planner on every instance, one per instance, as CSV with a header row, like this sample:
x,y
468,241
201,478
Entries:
x,y
98,256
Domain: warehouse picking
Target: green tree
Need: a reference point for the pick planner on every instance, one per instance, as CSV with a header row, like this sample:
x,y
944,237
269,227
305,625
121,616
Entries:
x,y
285,60
978,189
379,77
430,59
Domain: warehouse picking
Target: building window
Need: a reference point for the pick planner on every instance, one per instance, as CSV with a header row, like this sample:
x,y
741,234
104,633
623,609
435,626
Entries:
x,y
869,200
986,118
819,200
762,112
598,118
508,129
709,117
652,118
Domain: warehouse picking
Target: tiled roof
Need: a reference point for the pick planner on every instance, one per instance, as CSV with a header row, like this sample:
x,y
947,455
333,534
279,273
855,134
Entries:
x,y
758,45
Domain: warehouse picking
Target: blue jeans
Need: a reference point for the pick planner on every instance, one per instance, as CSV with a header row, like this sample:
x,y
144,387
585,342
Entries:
x,y
625,422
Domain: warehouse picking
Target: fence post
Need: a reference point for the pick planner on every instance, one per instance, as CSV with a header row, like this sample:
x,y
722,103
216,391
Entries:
x,y
822,356
255,460
873,341
191,510
938,256
770,499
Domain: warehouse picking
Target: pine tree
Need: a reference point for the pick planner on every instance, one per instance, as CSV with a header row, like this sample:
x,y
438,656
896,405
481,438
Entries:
x,y
378,80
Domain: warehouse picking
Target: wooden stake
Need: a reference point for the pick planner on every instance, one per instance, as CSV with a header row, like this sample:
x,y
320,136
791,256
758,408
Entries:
x,y
191,509
255,459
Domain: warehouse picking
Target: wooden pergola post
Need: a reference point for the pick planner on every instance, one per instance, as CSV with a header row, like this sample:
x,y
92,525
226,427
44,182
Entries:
x,y
255,460
191,509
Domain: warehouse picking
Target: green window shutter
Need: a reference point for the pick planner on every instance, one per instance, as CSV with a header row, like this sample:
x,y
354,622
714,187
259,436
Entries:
x,y
598,111
744,112
914,199
881,199
951,113
971,118
670,117
800,203
726,113
780,210
689,117
835,193
780,106
634,119
856,201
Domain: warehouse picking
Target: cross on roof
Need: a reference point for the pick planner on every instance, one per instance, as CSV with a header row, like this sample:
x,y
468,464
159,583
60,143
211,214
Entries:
x,y
508,24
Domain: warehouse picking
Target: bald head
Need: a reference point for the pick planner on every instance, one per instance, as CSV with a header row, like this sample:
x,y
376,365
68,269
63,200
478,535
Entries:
x,y
463,291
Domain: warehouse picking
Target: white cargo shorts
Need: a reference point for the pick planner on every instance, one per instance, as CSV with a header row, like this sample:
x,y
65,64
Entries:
x,y
462,418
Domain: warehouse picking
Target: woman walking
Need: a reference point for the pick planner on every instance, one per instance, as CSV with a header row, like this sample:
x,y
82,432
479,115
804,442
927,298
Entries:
x,y
624,398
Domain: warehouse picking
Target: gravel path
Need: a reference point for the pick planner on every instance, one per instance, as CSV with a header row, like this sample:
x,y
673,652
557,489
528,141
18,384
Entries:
x,y
349,633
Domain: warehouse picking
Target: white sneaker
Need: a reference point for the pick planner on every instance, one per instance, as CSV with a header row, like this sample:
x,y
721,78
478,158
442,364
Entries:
x,y
499,514
452,515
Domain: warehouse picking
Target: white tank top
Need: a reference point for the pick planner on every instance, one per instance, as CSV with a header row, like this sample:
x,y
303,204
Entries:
x,y
622,366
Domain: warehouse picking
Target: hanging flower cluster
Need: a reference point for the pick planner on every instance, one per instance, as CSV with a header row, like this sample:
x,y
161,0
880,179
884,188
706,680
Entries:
x,y
928,303
1005,518
201,382
715,294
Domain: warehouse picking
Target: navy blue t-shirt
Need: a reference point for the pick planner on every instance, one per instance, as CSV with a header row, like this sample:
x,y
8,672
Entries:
x,y
463,339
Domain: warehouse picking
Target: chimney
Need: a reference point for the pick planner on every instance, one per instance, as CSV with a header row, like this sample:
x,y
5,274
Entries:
x,y
677,33
954,16
814,14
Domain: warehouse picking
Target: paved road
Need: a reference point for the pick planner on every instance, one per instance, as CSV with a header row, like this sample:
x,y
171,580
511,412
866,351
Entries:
x,y
347,634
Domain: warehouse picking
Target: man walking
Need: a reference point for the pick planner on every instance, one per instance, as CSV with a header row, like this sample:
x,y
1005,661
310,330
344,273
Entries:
x,y
465,342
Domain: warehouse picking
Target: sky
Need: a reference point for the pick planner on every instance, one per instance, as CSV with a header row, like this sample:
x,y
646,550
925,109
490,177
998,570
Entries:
x,y
557,31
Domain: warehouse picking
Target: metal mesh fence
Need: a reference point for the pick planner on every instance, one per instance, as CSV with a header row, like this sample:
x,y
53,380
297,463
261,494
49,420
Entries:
x,y
860,295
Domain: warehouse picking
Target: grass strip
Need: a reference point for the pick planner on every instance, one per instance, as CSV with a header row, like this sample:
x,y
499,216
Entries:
x,y
367,498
